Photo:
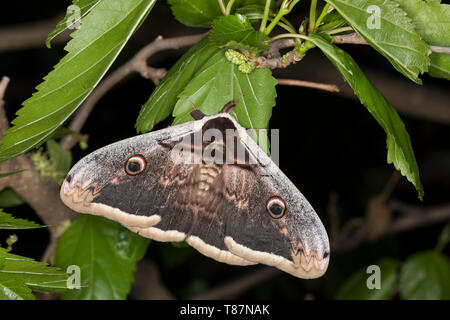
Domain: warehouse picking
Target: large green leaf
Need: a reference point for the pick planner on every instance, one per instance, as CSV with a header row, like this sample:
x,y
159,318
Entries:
x,y
395,38
355,288
218,82
11,289
236,31
162,101
106,253
17,272
75,12
7,221
425,275
195,13
91,52
432,21
400,151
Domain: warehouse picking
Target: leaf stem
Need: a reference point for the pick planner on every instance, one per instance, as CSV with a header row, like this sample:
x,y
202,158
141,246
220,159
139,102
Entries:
x,y
262,27
339,30
312,16
229,7
285,8
322,14
290,35
222,7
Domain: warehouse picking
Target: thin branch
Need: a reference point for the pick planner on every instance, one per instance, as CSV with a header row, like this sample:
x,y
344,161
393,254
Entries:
x,y
138,64
309,84
354,38
30,35
239,286
3,85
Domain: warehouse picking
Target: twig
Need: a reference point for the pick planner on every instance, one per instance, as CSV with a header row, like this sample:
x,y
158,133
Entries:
x,y
309,84
29,35
138,64
354,38
239,286
274,63
414,217
3,85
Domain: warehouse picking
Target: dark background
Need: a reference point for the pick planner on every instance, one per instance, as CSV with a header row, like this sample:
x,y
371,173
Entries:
x,y
329,143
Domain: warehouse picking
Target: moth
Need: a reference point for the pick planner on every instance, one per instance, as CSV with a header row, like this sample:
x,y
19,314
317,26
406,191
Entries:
x,y
205,182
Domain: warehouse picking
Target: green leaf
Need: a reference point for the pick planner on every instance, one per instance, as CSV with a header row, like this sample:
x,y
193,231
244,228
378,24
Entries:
x,y
400,151
75,12
331,21
9,198
432,21
218,82
195,13
355,288
162,101
425,276
91,52
61,159
38,276
12,289
394,37
7,221
106,253
236,31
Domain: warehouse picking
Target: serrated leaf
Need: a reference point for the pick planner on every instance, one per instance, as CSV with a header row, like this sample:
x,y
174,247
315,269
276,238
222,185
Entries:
x,y
355,288
106,253
162,101
394,36
75,12
91,52
425,276
400,151
432,21
11,289
8,222
38,276
236,31
9,198
218,82
195,13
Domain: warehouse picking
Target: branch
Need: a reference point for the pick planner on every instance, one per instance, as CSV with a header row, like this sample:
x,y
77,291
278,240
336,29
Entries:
x,y
41,194
138,64
309,84
30,35
354,38
239,286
